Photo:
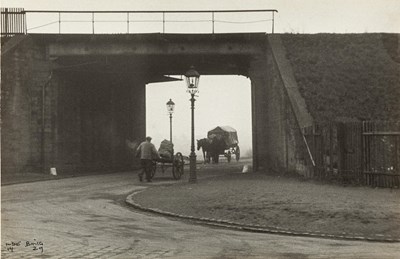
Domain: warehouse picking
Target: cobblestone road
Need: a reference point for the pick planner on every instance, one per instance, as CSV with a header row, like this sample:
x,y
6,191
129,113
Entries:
x,y
86,217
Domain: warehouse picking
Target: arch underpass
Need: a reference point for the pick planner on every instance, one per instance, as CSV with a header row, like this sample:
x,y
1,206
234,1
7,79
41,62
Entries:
x,y
74,100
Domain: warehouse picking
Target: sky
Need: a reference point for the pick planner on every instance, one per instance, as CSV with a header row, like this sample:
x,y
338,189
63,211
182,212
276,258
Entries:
x,y
222,100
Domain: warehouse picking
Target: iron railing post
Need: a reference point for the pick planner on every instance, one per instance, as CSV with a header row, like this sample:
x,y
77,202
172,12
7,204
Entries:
x,y
93,22
213,22
163,20
273,22
127,23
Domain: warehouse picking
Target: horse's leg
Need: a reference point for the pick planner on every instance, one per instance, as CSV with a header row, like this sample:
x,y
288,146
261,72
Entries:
x,y
204,156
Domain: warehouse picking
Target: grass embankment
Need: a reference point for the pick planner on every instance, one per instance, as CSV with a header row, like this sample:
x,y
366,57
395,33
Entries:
x,y
347,76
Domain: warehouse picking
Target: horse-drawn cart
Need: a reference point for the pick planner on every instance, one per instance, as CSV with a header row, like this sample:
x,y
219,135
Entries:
x,y
224,141
176,163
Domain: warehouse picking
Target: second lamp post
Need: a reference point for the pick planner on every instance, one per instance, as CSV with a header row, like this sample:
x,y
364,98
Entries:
x,y
170,109
192,81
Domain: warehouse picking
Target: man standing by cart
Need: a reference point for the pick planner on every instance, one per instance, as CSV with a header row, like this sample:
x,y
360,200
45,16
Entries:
x,y
147,152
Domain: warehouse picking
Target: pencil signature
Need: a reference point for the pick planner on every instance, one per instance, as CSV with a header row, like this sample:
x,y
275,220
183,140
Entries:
x,y
35,245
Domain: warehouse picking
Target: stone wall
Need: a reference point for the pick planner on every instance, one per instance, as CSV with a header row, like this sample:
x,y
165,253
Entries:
x,y
24,73
73,121
277,140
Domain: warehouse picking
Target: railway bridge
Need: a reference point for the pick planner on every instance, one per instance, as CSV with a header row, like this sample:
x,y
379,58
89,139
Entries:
x,y
71,101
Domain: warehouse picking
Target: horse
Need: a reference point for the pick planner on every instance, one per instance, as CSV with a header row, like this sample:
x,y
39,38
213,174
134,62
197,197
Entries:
x,y
204,144
216,147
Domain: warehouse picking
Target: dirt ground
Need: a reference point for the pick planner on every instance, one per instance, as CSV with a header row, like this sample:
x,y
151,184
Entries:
x,y
223,192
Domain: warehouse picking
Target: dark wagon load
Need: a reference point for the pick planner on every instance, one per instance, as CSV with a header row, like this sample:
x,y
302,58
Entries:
x,y
225,141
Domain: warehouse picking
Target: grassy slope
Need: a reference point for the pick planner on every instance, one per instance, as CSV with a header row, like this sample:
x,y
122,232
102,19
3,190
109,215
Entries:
x,y
347,76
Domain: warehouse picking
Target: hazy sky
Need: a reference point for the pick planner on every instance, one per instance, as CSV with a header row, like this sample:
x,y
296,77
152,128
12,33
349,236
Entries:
x,y
223,100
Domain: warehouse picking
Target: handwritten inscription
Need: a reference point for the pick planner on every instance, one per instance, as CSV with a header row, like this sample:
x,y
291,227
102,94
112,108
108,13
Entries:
x,y
34,245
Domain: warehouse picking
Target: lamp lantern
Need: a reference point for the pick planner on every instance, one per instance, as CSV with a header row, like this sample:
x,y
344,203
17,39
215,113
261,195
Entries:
x,y
192,80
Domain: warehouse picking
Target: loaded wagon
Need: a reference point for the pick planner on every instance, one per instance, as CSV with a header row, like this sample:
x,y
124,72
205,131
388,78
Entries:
x,y
224,141
169,160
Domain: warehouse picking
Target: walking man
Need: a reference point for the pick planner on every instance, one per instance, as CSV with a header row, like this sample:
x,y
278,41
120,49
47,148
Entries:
x,y
147,152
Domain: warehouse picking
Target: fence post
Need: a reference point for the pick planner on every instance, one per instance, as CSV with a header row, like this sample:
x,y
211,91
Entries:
x,y
330,151
341,148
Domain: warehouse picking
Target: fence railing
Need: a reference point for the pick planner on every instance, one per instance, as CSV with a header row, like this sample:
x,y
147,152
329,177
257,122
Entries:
x,y
13,21
201,21
358,152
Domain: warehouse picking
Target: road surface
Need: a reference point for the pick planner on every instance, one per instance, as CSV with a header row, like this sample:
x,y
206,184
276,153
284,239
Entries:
x,y
86,217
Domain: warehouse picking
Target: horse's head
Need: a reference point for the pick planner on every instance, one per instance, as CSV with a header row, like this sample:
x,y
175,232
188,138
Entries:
x,y
201,143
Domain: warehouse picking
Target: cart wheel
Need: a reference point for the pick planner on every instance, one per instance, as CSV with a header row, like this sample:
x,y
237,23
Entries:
x,y
178,164
237,152
153,169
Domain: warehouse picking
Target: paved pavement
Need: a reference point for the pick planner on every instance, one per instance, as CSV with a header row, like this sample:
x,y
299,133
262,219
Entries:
x,y
86,217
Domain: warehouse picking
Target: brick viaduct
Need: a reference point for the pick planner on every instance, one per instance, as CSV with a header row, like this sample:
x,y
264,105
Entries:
x,y
72,101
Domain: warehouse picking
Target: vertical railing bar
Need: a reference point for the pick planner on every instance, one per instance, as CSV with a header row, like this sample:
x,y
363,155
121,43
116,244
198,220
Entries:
x,y
16,16
25,24
213,21
273,21
11,22
14,23
18,25
127,22
59,22
13,31
163,22
7,22
19,22
92,22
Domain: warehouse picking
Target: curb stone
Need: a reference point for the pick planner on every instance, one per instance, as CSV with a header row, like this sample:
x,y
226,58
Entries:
x,y
261,228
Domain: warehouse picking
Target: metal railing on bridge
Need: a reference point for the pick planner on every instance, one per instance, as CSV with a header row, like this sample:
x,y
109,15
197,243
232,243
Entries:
x,y
20,21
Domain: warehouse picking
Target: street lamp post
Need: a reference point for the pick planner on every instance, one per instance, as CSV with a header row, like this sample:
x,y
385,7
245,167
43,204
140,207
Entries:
x,y
170,109
192,81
